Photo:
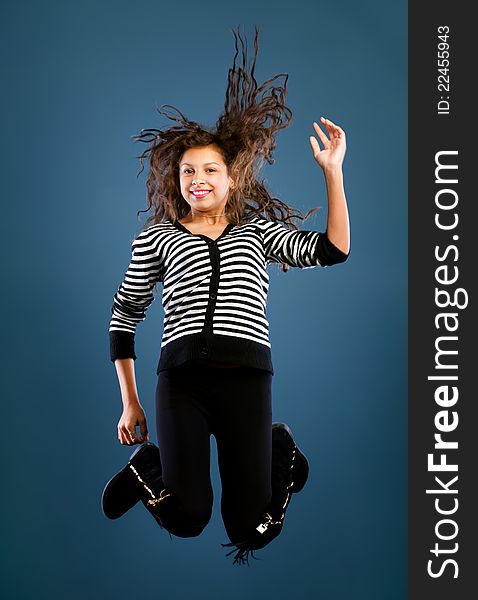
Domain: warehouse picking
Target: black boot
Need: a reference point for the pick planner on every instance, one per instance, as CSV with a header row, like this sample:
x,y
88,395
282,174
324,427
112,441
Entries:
x,y
290,468
290,471
139,480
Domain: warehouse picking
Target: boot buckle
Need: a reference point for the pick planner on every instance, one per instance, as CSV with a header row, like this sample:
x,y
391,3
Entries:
x,y
162,496
263,526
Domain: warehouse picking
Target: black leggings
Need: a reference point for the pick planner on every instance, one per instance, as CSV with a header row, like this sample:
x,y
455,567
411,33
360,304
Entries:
x,y
234,404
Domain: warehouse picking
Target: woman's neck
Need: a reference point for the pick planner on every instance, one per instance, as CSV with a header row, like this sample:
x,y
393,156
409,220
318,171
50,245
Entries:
x,y
214,219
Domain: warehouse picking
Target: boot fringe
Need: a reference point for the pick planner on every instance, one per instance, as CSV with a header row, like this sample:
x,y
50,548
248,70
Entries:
x,y
242,553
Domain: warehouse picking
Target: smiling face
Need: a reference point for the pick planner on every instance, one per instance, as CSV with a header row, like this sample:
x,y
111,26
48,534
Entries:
x,y
204,180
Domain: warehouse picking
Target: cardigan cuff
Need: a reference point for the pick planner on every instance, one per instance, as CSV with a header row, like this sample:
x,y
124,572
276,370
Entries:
x,y
328,252
121,345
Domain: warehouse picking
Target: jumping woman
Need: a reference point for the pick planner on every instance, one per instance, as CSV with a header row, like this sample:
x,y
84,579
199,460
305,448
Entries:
x,y
213,231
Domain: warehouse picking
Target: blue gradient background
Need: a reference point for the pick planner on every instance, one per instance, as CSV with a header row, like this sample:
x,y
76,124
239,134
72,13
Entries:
x,y
80,78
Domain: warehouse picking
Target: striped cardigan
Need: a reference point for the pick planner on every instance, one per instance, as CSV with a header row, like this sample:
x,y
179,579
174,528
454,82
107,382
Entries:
x,y
214,291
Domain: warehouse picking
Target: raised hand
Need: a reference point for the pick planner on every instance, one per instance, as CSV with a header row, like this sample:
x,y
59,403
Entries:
x,y
332,155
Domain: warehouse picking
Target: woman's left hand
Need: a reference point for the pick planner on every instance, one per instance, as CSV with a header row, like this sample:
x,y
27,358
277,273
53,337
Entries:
x,y
332,155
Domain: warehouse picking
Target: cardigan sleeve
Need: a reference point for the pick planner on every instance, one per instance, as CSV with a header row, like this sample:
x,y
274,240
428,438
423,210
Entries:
x,y
134,296
298,248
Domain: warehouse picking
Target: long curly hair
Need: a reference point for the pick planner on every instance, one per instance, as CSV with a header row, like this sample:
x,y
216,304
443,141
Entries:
x,y
244,134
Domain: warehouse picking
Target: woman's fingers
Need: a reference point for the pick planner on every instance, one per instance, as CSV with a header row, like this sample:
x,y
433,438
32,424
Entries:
x,y
121,436
336,141
144,430
315,145
127,435
132,417
334,130
124,436
133,438
323,138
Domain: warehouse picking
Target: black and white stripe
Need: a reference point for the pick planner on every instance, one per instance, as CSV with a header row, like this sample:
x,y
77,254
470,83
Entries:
x,y
210,287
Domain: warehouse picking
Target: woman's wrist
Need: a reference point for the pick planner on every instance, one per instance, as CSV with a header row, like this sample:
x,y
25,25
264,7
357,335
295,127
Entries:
x,y
333,172
130,401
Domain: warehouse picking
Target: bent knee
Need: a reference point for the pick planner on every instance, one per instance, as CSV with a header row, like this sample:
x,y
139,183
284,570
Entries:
x,y
187,523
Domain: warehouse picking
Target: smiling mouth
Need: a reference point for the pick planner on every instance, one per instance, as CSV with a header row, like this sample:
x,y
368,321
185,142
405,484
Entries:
x,y
201,194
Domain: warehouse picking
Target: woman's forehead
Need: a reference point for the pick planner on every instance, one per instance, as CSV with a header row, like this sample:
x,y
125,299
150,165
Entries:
x,y
202,155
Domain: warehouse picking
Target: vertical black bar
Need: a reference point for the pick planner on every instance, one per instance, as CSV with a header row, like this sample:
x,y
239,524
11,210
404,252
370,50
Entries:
x,y
441,248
